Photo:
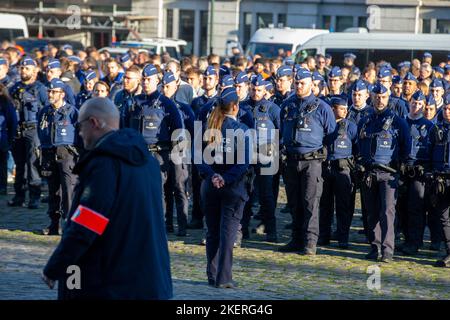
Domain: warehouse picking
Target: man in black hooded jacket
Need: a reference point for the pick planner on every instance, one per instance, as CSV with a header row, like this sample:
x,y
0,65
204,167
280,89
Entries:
x,y
115,230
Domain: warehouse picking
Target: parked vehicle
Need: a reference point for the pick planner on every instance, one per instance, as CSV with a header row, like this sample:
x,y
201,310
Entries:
x,y
12,26
270,41
395,47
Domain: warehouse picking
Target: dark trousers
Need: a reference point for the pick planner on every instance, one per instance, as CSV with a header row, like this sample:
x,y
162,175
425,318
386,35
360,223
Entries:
x,y
357,185
442,210
3,169
337,193
304,180
223,210
264,193
175,189
415,212
276,183
381,196
61,181
26,157
163,158
197,213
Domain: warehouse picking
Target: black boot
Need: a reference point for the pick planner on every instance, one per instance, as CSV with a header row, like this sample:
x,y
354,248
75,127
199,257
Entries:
x,y
52,229
292,246
443,263
33,204
16,202
195,224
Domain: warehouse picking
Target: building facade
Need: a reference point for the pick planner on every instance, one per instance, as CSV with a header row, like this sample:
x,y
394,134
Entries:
x,y
239,19
234,20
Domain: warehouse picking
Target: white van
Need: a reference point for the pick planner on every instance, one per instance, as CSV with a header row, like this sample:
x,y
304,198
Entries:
x,y
392,47
12,26
268,41
157,45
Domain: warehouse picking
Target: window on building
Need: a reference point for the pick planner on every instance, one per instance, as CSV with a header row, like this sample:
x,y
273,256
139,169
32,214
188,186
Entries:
x,y
338,56
282,19
343,22
264,19
443,26
426,26
169,23
326,22
362,22
247,28
186,30
203,33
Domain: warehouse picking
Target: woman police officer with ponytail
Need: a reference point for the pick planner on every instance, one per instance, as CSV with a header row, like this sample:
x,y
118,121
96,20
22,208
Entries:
x,y
223,190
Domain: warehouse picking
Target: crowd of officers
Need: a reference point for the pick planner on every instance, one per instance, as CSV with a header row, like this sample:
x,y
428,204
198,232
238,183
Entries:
x,y
382,130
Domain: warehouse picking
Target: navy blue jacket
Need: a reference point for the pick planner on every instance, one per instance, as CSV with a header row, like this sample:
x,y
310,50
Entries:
x,y
30,99
440,146
8,124
231,172
130,258
399,106
155,116
420,131
304,135
82,97
58,127
199,102
384,138
187,115
355,115
342,142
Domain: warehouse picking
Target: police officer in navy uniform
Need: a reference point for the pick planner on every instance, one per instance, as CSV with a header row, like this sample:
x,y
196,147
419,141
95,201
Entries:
x,y
398,105
124,98
338,184
357,111
210,82
397,86
29,97
318,85
90,79
58,137
155,117
14,64
224,190
8,128
283,81
440,186
4,77
438,92
54,71
409,86
413,223
175,187
305,122
114,77
430,111
267,119
384,144
349,61
241,83
335,84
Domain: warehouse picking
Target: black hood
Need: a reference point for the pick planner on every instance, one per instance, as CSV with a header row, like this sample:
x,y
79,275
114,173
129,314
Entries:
x,y
125,144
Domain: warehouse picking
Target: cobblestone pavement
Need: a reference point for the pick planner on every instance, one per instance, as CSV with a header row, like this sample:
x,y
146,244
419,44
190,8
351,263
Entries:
x,y
260,271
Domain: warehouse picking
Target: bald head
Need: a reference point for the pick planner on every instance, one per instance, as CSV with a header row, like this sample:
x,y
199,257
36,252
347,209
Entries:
x,y
97,117
102,109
